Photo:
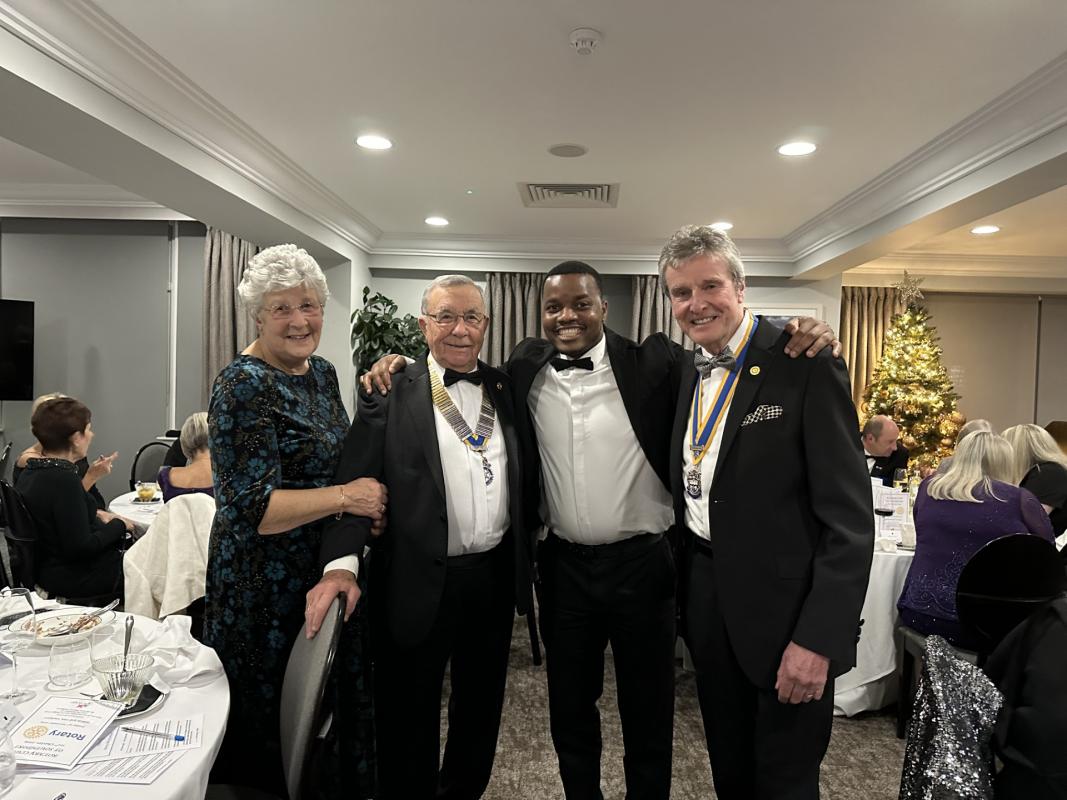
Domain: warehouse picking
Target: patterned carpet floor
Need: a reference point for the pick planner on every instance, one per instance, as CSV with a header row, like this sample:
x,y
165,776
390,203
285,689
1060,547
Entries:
x,y
863,763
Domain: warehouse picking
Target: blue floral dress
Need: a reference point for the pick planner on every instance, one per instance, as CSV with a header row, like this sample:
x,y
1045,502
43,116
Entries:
x,y
271,430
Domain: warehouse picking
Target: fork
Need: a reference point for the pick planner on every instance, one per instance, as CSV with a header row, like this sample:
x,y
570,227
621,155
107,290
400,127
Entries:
x,y
78,624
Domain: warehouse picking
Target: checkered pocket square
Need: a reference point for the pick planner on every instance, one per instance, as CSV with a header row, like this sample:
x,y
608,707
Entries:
x,y
761,414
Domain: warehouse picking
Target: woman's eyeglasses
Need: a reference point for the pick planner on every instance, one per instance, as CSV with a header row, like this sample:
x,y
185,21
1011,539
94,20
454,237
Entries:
x,y
285,311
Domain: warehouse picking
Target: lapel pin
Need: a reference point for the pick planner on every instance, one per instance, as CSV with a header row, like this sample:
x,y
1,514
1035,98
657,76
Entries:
x,y
753,370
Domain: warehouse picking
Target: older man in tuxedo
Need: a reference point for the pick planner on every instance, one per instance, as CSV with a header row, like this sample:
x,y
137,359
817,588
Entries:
x,y
769,481
454,561
882,448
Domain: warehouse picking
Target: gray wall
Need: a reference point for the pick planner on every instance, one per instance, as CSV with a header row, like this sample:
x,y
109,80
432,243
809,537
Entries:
x,y
100,293
189,345
994,356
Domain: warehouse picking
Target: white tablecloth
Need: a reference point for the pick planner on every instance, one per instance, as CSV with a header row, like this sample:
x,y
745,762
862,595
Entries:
x,y
143,514
186,779
872,683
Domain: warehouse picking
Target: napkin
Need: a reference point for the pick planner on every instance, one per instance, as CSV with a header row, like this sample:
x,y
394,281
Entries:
x,y
179,658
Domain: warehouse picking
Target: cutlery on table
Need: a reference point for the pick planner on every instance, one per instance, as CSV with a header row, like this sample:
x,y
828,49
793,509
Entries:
x,y
82,621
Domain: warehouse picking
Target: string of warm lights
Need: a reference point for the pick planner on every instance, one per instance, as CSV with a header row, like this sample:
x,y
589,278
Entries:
x,y
912,386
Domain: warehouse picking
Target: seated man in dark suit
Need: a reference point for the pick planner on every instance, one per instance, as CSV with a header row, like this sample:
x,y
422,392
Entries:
x,y
885,454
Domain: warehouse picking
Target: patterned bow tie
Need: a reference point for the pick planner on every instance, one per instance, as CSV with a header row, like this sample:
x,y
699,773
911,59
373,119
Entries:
x,y
705,364
451,376
570,363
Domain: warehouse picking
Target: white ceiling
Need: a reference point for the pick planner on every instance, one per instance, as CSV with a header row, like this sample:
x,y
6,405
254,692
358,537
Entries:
x,y
682,104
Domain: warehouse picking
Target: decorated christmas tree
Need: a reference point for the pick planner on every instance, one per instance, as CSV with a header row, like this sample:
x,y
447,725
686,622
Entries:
x,y
911,386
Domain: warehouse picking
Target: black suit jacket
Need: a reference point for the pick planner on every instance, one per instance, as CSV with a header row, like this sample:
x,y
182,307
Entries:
x,y
394,439
885,466
647,375
792,528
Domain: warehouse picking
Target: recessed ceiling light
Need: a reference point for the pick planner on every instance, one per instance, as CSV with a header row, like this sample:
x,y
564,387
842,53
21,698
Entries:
x,y
796,149
721,226
437,221
985,230
470,191
568,150
371,141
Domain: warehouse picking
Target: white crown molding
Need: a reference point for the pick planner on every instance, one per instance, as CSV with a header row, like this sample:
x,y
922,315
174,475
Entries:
x,y
164,95
958,265
469,246
1024,114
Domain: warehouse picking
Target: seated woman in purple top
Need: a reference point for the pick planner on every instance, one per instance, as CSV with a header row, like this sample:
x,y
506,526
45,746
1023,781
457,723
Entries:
x,y
974,501
195,476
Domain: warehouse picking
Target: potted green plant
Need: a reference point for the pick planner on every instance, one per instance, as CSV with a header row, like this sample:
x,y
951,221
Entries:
x,y
378,331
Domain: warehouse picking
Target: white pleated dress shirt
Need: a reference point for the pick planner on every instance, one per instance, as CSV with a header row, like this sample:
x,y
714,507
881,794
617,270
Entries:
x,y
599,487
696,510
478,514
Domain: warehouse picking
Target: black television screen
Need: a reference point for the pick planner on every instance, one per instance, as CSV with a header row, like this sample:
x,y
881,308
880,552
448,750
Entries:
x,y
16,350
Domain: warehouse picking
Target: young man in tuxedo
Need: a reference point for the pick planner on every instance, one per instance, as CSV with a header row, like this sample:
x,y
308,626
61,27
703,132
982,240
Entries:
x,y
770,486
594,412
882,448
453,563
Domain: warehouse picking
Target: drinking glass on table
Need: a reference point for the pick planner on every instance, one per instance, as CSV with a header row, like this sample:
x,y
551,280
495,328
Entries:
x,y
7,763
900,479
68,664
20,635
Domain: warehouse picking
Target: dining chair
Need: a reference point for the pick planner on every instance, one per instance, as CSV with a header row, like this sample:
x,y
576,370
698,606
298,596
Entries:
x,y
20,536
147,462
302,718
5,456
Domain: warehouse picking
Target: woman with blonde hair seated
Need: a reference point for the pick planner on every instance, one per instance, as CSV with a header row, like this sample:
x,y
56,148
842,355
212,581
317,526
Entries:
x,y
974,501
195,476
1041,467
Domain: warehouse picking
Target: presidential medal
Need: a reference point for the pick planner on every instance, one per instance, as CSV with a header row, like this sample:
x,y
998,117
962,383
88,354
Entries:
x,y
692,483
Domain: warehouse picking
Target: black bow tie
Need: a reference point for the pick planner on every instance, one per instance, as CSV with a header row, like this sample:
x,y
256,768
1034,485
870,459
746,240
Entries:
x,y
705,364
451,376
570,363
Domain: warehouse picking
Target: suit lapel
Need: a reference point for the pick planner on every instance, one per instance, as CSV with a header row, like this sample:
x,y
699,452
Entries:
x,y
624,366
420,407
747,386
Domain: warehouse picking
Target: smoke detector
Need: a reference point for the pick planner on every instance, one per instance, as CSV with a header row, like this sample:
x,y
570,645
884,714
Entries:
x,y
585,40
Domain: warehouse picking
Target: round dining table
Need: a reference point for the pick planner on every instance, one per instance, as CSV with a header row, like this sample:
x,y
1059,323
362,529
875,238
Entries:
x,y
186,779
142,514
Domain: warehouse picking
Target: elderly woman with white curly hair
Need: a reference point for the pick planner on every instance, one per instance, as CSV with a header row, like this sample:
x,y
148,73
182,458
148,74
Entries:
x,y
276,425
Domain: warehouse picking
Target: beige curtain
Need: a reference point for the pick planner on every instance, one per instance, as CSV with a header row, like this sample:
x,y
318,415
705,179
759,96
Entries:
x,y
514,300
229,328
866,312
652,312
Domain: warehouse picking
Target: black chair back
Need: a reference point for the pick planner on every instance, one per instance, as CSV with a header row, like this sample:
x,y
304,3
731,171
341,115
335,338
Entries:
x,y
20,534
1005,582
147,462
4,458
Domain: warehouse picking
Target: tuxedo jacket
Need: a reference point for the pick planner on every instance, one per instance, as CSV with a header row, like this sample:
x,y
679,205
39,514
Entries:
x,y
394,439
647,375
792,530
885,466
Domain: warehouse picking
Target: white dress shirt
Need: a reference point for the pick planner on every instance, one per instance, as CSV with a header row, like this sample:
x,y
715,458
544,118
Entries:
x,y
599,486
477,514
696,510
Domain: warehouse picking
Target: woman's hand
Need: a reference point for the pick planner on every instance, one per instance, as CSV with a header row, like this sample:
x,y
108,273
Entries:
x,y
365,497
99,468
321,596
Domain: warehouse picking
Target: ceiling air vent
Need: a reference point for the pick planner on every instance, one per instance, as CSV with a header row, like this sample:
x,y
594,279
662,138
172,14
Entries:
x,y
569,195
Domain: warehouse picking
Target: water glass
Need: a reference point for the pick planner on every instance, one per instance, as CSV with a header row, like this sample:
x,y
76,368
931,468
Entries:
x,y
68,664
122,678
7,763
21,636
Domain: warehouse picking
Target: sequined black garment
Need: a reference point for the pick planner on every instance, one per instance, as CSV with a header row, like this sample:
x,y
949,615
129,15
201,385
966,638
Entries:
x,y
949,754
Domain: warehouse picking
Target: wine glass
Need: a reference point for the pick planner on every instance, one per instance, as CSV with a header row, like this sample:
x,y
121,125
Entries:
x,y
21,635
900,479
